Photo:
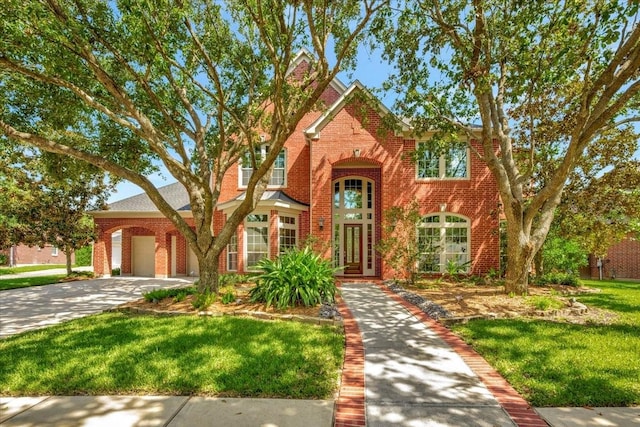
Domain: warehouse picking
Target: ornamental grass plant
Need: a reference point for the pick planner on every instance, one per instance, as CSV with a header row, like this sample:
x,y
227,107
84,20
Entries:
x,y
298,277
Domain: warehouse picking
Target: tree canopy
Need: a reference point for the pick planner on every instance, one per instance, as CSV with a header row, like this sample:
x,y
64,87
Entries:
x,y
44,199
192,85
548,83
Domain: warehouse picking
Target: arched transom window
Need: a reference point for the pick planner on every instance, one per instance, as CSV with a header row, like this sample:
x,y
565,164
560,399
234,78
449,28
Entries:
x,y
443,240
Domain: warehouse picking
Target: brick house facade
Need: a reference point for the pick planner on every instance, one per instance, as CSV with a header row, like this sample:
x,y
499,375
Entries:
x,y
622,261
30,255
335,178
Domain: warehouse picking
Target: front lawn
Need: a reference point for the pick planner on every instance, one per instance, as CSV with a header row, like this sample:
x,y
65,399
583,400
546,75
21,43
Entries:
x,y
122,354
25,282
560,364
29,268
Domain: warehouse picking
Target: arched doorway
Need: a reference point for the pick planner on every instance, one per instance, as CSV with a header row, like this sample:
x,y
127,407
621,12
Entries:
x,y
353,220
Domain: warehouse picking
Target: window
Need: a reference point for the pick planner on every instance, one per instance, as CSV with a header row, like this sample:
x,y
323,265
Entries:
x,y
257,239
232,253
54,251
287,231
451,163
278,171
443,240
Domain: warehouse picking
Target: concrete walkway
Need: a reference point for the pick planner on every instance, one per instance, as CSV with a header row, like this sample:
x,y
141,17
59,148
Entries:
x,y
25,309
412,377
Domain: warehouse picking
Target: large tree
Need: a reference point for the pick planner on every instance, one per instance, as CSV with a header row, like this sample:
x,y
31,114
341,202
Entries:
x,y
546,80
194,85
44,199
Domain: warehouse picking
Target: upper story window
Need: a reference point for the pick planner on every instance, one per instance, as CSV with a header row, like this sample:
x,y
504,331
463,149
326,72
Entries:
x,y
278,170
451,162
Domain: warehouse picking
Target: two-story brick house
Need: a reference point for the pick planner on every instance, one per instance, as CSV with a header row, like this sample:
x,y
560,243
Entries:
x,y
334,179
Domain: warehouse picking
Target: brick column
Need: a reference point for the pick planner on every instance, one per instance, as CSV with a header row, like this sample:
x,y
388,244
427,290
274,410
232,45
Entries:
x,y
181,255
102,255
125,258
163,254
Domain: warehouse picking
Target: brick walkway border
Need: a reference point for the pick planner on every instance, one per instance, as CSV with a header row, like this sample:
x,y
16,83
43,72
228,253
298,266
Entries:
x,y
517,408
350,410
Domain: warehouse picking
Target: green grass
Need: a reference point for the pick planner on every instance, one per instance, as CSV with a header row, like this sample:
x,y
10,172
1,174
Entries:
x,y
118,354
28,268
25,282
557,364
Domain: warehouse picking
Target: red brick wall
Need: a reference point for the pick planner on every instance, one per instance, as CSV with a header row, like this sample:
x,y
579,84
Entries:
x,y
36,255
622,260
161,228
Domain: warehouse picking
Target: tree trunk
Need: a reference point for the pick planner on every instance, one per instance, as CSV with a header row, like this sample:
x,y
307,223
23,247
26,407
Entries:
x,y
68,251
520,254
208,265
539,263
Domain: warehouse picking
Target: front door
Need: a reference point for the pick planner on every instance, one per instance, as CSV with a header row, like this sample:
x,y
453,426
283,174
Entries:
x,y
352,249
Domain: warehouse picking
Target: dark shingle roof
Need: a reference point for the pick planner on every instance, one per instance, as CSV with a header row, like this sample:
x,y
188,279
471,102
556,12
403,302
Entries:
x,y
175,194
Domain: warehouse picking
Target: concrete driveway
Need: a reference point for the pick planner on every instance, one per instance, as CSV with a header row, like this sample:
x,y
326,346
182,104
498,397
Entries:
x,y
41,306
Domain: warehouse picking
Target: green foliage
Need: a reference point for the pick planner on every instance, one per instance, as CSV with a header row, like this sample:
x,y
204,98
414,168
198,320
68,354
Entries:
x,y
563,255
116,354
400,247
25,282
203,300
227,294
454,268
83,256
561,364
298,277
159,294
544,303
116,271
232,279
558,278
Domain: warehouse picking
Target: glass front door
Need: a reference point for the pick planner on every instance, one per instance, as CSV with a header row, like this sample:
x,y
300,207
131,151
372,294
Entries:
x,y
353,249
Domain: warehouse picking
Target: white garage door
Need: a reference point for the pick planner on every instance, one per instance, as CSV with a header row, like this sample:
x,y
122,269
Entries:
x,y
143,254
193,268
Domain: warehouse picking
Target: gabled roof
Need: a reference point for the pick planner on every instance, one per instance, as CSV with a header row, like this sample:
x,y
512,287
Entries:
x,y
175,194
305,56
313,131
276,198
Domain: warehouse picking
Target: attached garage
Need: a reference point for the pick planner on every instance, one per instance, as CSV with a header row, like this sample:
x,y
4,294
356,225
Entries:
x,y
143,256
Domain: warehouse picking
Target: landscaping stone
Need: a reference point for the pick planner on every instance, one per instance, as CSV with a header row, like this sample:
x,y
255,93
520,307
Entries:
x,y
429,307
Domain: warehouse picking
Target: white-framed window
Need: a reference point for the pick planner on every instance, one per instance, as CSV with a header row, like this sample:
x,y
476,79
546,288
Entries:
x,y
452,162
278,176
443,240
287,233
232,253
256,232
54,251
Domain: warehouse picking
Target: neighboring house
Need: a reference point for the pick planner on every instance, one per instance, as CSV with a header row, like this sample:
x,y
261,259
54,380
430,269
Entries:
x,y
622,261
30,255
333,180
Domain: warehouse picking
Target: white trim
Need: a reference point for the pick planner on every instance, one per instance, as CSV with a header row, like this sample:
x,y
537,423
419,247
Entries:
x,y
442,167
442,227
313,131
260,224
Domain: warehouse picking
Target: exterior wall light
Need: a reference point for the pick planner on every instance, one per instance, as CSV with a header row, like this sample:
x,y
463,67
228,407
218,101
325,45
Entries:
x,y
321,222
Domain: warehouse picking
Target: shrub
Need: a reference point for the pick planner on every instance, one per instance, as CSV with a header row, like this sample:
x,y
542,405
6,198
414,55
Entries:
x,y
561,254
115,271
565,279
298,277
158,294
227,294
203,301
83,256
231,279
545,303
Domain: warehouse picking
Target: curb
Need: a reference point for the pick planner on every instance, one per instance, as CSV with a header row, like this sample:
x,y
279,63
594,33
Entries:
x,y
522,414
